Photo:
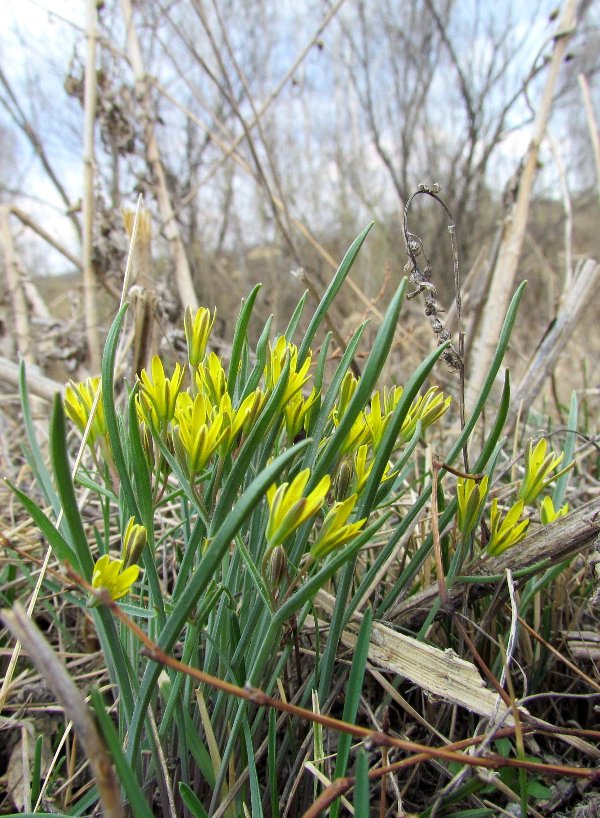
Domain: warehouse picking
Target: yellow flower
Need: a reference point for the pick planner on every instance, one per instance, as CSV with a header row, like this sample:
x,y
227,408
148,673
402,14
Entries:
x,y
276,360
335,532
157,397
548,514
427,408
197,434
211,379
347,390
538,468
471,497
363,468
108,574
134,540
288,509
376,420
79,399
508,532
358,435
297,412
197,330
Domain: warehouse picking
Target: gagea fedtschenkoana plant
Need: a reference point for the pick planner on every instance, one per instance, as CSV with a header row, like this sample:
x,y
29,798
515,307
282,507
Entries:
x,y
200,427
226,492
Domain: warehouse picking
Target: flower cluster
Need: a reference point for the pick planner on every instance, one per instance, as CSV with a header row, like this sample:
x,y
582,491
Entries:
x,y
202,424
507,531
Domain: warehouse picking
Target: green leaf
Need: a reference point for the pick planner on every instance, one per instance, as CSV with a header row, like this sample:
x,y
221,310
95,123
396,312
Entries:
x,y
110,413
61,548
66,491
199,580
272,764
293,322
255,800
135,796
361,786
377,358
351,702
38,465
390,437
239,338
331,292
191,800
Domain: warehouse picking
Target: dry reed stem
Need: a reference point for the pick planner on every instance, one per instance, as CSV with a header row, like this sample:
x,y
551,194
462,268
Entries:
x,y
183,275
512,242
53,672
89,127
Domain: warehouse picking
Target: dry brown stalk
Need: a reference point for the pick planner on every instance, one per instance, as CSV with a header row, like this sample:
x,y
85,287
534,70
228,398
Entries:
x,y
15,288
183,275
450,752
52,671
575,298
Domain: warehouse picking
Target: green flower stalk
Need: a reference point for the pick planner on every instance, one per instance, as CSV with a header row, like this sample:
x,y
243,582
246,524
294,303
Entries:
x,y
288,509
335,531
109,574
197,332
134,541
548,514
471,497
507,532
79,399
538,470
157,395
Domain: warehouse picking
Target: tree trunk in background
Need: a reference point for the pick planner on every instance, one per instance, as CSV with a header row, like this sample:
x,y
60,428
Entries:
x,y
183,275
503,276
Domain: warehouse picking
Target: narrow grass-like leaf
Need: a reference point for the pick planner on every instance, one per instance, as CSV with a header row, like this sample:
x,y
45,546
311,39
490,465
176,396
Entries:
x,y
42,475
61,548
239,338
222,538
390,437
110,413
352,699
242,462
379,353
331,292
255,799
330,398
66,490
261,359
254,572
569,449
272,764
361,786
141,472
135,796
191,800
296,315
